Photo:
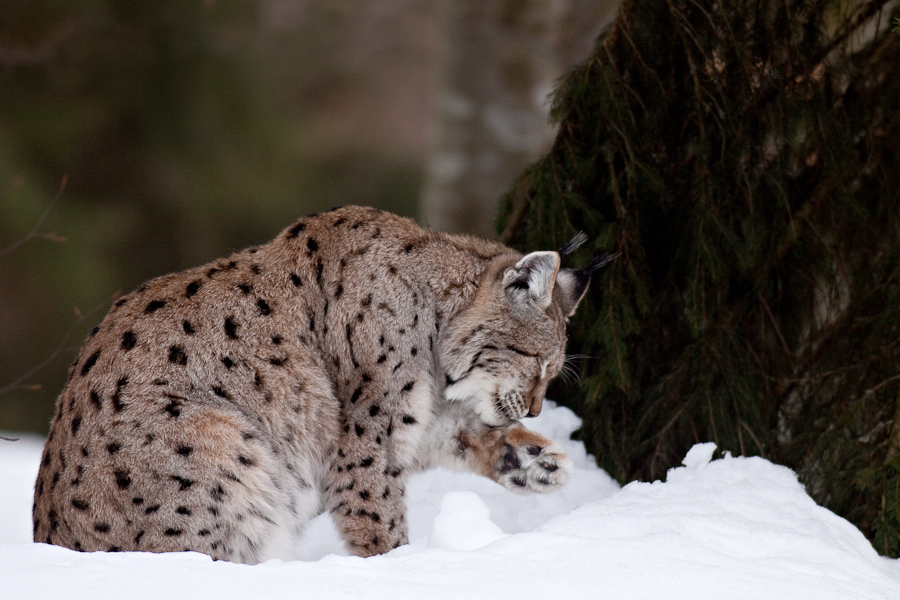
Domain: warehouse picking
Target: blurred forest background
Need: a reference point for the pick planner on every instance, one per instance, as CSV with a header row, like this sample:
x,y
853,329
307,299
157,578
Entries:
x,y
173,132
741,157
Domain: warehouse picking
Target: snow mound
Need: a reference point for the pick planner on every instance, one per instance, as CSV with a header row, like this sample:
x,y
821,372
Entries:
x,y
729,528
463,523
739,527
699,456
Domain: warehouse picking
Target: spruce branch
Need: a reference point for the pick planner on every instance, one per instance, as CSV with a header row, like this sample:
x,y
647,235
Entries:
x,y
894,440
749,179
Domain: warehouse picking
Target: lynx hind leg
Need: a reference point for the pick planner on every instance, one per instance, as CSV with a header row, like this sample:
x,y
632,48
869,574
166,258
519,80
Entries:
x,y
518,459
365,497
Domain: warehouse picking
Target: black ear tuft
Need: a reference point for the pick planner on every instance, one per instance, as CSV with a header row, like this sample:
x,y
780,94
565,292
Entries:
x,y
598,262
573,244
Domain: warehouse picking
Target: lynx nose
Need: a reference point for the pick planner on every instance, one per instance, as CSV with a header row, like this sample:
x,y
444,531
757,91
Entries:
x,y
536,404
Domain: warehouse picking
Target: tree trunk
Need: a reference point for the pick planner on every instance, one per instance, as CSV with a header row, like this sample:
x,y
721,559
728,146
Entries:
x,y
497,62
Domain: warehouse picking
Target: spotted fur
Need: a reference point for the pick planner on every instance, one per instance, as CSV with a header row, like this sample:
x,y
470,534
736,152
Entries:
x,y
219,409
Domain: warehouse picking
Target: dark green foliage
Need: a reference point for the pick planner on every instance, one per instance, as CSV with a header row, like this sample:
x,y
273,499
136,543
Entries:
x,y
742,158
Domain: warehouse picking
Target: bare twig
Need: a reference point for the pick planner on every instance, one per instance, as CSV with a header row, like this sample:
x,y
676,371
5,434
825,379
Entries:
x,y
882,384
35,232
774,321
863,14
17,384
759,445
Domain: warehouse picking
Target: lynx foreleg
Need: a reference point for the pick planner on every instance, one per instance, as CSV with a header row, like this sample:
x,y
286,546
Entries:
x,y
519,459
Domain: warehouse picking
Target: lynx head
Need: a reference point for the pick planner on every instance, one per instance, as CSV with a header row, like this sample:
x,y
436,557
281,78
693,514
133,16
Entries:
x,y
500,353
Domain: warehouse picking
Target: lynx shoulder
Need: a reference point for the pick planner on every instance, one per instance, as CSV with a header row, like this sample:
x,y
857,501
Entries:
x,y
219,409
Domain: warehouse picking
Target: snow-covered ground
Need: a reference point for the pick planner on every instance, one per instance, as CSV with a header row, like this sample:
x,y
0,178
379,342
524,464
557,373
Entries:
x,y
724,529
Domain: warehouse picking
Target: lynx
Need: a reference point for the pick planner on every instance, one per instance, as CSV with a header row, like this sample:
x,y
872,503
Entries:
x,y
221,408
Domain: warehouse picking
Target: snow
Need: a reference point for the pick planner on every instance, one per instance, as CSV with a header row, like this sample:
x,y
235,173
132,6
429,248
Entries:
x,y
726,528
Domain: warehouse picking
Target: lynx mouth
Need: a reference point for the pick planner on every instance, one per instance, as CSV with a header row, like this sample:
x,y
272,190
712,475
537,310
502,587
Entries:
x,y
508,411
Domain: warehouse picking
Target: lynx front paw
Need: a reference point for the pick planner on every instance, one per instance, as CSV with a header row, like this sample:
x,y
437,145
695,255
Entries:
x,y
533,463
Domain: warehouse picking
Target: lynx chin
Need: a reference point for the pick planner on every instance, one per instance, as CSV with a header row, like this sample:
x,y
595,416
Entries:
x,y
221,408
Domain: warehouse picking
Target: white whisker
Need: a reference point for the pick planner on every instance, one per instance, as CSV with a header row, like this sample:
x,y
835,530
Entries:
x,y
569,374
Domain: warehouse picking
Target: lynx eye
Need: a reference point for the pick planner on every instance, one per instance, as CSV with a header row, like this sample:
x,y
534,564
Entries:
x,y
522,352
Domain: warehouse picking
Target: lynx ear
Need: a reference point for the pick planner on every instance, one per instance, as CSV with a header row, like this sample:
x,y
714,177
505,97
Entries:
x,y
571,284
533,277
